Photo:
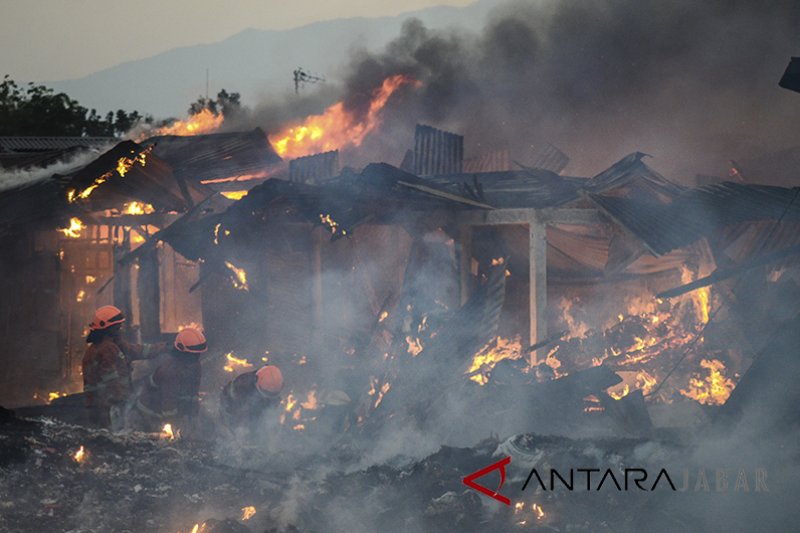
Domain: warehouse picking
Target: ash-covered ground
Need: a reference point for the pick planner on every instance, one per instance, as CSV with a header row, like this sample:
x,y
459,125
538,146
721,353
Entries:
x,y
733,480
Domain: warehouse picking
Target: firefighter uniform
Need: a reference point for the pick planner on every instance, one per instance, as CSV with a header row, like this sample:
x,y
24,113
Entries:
x,y
106,365
171,393
246,398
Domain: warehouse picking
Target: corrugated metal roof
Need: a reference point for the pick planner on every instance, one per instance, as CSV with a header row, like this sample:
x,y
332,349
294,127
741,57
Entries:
x,y
43,144
700,212
219,155
628,171
513,188
537,188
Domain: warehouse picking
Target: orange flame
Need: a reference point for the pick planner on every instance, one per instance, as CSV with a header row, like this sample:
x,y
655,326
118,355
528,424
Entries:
x,y
295,409
167,433
234,363
74,229
713,389
138,208
337,127
200,124
239,277
700,297
234,195
491,354
124,164
80,455
248,512
55,395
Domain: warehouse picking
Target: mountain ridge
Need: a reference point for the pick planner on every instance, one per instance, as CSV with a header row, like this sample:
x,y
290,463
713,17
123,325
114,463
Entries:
x,y
256,63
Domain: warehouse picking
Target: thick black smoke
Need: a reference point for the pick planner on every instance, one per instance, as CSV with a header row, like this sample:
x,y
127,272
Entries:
x,y
692,83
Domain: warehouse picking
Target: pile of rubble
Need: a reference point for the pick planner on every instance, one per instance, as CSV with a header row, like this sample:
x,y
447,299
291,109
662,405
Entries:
x,y
60,477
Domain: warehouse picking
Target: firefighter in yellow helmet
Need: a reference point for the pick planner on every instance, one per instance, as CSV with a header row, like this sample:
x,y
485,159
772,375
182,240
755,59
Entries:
x,y
107,365
170,394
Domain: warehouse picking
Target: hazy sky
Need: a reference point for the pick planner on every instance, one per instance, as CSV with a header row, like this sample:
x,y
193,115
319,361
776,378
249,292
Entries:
x,y
48,40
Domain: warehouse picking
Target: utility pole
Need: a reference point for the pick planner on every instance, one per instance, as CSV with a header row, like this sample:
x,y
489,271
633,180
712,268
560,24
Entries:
x,y
301,77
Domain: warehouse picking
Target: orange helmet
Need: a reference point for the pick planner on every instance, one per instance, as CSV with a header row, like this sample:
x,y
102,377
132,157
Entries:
x,y
191,340
269,380
106,316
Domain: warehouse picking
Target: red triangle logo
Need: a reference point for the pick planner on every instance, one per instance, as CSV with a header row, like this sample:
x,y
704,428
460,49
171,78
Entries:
x,y
469,481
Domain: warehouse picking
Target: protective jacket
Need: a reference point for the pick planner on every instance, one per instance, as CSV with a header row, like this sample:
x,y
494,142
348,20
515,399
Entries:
x,y
107,369
242,403
172,389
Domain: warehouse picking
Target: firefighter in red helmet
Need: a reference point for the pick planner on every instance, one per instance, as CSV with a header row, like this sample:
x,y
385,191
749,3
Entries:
x,y
107,365
171,393
246,398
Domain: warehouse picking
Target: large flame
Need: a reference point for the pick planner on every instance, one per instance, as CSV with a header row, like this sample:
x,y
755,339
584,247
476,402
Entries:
x,y
337,127
199,124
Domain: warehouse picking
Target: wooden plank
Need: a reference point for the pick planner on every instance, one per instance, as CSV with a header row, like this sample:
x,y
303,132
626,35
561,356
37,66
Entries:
x,y
496,217
583,217
537,253
149,296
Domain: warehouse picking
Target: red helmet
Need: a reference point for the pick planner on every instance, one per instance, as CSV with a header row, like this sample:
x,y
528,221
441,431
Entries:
x,y
269,380
191,340
106,316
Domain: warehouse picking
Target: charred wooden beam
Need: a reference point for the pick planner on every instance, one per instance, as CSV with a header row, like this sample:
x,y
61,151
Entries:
x,y
153,219
149,295
122,277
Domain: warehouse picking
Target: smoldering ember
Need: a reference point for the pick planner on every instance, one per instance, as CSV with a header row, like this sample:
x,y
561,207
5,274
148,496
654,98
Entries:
x,y
524,266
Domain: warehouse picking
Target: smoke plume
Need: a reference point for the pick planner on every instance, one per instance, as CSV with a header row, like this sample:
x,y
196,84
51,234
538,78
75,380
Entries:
x,y
692,83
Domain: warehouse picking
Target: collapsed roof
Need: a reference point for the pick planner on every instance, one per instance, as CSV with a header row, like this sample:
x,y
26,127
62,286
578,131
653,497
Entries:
x,y
165,172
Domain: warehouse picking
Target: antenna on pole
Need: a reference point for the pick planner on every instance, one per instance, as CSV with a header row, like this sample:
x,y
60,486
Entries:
x,y
206,83
302,77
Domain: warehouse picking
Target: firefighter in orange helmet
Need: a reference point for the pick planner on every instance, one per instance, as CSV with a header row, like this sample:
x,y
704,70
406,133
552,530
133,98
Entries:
x,y
107,364
170,394
246,398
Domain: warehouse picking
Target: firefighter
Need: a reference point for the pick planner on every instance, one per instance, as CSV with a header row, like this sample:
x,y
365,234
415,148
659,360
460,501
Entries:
x,y
107,365
170,394
245,399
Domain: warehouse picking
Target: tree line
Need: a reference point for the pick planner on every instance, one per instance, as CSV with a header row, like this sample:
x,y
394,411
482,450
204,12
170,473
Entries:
x,y
37,110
